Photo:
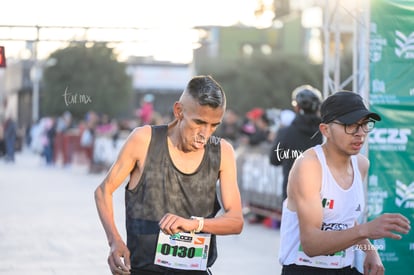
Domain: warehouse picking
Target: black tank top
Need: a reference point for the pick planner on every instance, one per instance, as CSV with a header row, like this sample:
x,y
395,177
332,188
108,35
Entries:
x,y
163,189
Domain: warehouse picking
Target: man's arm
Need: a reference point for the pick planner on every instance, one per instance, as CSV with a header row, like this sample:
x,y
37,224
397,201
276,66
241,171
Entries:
x,y
372,261
231,221
128,158
305,181
304,198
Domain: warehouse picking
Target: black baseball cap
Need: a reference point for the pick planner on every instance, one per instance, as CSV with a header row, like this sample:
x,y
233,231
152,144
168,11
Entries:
x,y
346,107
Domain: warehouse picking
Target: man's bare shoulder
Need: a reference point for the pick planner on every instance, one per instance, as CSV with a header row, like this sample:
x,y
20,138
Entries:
x,y
308,157
226,146
227,154
363,164
137,142
363,160
304,179
305,168
227,150
140,135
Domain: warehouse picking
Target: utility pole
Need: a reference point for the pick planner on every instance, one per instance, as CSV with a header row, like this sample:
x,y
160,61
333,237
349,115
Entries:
x,y
35,79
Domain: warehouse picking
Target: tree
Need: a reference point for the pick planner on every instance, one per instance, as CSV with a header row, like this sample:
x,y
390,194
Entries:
x,y
262,81
83,79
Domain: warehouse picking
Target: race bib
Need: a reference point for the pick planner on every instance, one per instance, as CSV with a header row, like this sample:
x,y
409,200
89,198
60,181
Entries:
x,y
183,250
335,260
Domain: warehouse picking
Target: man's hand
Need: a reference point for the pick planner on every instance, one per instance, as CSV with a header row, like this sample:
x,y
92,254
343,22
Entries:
x,y
171,224
118,251
386,225
373,264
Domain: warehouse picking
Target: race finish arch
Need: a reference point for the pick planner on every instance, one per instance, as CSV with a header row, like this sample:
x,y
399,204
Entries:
x,y
391,144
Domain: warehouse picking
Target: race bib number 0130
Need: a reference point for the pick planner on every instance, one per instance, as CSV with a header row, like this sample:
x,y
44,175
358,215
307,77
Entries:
x,y
183,250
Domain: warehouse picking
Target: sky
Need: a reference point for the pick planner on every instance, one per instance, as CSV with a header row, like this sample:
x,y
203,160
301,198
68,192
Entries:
x,y
138,13
169,21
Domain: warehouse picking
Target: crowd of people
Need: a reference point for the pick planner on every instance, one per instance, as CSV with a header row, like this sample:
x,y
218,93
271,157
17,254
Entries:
x,y
64,140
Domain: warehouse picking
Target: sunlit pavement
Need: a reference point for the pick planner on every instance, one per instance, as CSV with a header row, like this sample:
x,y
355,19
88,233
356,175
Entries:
x,y
49,225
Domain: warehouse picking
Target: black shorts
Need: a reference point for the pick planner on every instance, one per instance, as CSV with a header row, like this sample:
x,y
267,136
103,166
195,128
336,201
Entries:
x,y
294,269
169,272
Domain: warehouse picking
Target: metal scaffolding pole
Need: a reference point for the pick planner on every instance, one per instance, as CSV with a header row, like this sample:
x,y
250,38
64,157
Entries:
x,y
345,19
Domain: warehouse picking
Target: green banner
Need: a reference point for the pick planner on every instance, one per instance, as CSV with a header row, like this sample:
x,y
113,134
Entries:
x,y
392,52
391,143
391,181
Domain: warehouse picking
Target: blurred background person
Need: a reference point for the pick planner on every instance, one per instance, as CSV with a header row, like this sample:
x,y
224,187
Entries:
x,y
64,122
88,135
291,141
49,135
256,128
10,137
145,112
2,145
286,117
230,127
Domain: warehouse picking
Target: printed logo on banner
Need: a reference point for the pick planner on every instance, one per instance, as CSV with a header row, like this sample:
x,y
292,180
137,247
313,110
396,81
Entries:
x,y
405,195
376,196
377,42
378,86
405,45
389,139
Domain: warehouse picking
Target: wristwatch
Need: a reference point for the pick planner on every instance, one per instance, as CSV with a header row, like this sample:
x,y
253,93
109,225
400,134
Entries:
x,y
200,224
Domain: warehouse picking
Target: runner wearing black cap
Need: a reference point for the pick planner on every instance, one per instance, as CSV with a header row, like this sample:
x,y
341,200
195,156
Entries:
x,y
319,229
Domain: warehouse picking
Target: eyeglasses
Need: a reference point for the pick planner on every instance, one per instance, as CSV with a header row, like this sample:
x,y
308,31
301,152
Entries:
x,y
351,129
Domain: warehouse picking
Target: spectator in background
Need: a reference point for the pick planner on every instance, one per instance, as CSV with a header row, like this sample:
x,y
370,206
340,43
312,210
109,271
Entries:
x,y
49,139
145,113
88,135
108,127
2,144
64,122
27,136
286,118
230,127
294,139
257,127
10,137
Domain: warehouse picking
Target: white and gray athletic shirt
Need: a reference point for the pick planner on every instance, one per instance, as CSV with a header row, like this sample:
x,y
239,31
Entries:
x,y
341,209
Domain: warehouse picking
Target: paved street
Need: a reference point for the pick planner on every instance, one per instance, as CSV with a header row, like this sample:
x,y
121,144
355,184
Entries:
x,y
49,225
